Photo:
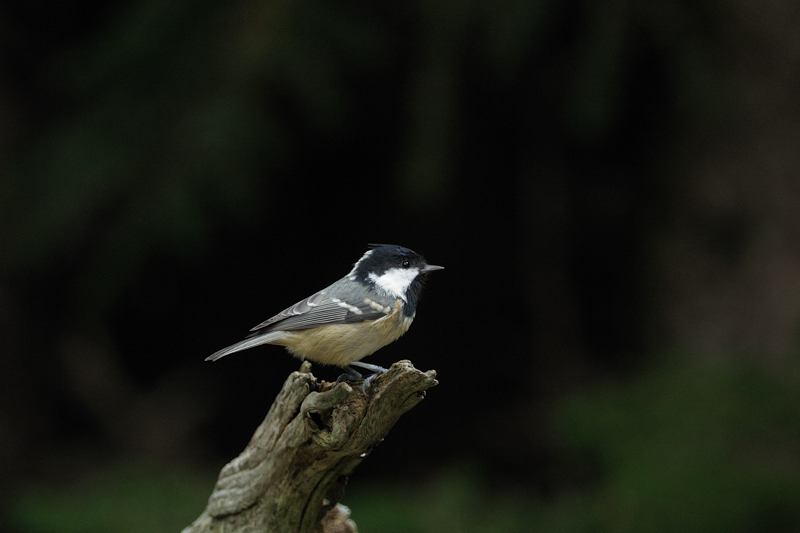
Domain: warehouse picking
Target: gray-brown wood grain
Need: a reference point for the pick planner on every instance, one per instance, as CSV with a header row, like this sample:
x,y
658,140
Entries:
x,y
291,475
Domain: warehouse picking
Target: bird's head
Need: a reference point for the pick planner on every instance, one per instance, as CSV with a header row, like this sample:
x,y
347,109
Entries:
x,y
394,270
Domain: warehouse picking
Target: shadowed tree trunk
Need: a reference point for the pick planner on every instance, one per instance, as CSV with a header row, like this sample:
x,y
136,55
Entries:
x,y
291,475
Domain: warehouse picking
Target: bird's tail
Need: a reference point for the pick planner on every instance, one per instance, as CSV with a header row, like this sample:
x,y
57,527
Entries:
x,y
254,340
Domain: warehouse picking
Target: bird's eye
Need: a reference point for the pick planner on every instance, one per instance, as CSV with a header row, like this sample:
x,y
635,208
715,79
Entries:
x,y
406,263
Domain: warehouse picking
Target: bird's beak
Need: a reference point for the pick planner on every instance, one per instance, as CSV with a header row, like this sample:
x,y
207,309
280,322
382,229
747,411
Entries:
x,y
430,268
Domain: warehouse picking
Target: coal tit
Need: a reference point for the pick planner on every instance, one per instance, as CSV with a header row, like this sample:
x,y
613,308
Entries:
x,y
372,306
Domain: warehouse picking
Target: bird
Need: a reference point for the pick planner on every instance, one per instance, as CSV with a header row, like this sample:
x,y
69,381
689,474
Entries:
x,y
370,307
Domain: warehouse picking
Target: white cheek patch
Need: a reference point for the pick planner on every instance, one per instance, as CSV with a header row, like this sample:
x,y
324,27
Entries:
x,y
395,281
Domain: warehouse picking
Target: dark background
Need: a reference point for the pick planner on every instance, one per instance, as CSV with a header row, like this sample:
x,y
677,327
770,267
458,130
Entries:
x,y
613,188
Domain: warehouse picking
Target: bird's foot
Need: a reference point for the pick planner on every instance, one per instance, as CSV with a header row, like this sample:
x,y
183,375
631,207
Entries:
x,y
375,369
350,374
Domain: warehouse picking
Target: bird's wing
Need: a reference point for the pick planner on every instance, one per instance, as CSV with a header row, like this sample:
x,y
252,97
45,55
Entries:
x,y
300,308
320,310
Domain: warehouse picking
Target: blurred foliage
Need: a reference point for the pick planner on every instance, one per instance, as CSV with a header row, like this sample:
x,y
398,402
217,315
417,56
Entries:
x,y
456,498
135,497
692,447
146,151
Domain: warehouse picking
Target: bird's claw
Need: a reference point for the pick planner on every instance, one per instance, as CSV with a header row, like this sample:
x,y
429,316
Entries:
x,y
351,374
375,369
367,381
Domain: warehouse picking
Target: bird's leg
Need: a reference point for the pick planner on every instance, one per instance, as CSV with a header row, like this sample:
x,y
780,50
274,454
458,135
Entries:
x,y
375,369
350,374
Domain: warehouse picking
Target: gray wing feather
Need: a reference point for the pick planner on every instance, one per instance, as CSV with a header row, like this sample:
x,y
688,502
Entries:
x,y
299,308
324,313
249,342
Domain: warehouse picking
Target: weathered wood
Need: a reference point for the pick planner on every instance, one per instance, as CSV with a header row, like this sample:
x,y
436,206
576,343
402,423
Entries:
x,y
291,475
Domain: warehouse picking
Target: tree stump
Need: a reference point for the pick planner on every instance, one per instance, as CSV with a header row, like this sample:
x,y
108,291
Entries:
x,y
291,475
